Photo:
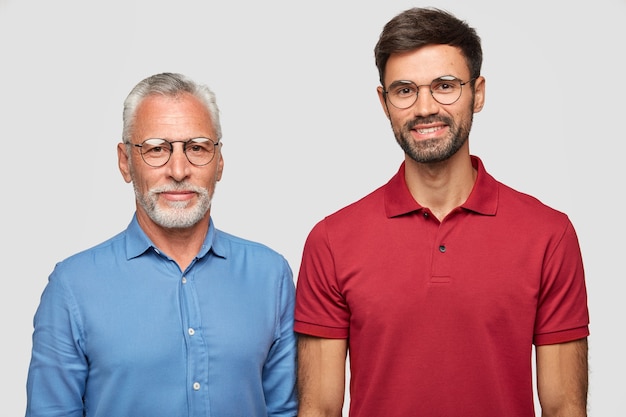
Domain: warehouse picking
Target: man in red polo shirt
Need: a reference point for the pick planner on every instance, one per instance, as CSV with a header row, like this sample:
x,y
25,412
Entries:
x,y
439,282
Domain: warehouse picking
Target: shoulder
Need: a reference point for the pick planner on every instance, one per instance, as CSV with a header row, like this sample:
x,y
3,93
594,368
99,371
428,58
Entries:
x,y
244,244
531,220
360,211
493,197
251,265
81,270
236,246
103,252
527,206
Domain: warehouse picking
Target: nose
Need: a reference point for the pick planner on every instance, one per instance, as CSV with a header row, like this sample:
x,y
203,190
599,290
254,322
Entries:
x,y
178,166
425,105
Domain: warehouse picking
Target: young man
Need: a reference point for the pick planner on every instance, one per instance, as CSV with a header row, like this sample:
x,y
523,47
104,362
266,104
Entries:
x,y
439,282
172,317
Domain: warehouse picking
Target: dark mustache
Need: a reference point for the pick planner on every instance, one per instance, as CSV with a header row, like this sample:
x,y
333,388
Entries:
x,y
427,120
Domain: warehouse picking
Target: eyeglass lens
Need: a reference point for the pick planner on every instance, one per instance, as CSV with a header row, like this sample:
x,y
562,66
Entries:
x,y
445,90
157,152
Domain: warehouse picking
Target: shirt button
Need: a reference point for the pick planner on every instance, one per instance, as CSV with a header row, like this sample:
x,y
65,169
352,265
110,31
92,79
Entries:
x,y
425,215
184,280
191,331
442,248
196,386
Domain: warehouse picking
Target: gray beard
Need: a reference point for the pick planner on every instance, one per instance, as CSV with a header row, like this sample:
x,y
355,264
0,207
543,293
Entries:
x,y
177,214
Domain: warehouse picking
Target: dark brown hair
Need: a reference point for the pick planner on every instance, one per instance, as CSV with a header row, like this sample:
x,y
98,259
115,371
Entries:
x,y
419,27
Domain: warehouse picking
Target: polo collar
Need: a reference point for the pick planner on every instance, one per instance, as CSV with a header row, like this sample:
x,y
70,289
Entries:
x,y
483,199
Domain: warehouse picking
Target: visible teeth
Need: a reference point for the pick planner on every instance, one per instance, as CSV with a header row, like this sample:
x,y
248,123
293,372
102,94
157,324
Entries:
x,y
429,130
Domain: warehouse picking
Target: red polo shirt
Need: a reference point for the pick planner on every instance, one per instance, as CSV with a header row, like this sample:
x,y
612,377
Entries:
x,y
441,316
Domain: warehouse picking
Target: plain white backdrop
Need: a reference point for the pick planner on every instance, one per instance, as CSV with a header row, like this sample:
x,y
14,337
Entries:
x,y
304,134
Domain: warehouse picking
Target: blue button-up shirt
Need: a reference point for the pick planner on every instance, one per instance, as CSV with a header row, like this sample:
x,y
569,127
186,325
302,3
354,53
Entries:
x,y
121,331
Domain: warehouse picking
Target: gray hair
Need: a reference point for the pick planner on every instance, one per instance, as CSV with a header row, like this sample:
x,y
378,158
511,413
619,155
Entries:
x,y
172,85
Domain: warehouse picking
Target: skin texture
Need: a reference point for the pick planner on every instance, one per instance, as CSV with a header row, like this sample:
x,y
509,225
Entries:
x,y
321,376
562,379
173,201
439,171
440,176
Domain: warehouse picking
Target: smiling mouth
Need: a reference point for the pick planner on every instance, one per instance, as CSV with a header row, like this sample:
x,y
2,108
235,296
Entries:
x,y
427,130
177,195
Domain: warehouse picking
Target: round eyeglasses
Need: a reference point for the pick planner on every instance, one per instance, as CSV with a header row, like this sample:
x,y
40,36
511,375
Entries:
x,y
157,152
445,90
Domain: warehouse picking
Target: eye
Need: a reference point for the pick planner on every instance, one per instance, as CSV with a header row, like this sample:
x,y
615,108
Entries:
x,y
155,146
196,148
199,145
445,86
154,149
404,90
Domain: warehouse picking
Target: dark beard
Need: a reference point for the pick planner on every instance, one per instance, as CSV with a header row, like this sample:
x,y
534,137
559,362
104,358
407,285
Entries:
x,y
432,150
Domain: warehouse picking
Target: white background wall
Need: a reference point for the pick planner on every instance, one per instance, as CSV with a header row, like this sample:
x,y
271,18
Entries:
x,y
303,131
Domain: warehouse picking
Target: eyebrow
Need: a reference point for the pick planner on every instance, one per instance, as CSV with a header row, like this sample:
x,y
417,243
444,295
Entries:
x,y
446,77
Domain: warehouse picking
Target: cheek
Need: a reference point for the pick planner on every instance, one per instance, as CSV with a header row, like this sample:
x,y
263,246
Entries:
x,y
399,118
215,177
204,179
464,116
141,182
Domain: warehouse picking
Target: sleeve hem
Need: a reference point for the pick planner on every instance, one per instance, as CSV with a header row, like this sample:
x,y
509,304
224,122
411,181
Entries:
x,y
320,331
561,336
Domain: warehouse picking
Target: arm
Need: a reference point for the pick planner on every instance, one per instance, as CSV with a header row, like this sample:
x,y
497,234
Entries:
x,y
279,371
562,379
321,376
58,369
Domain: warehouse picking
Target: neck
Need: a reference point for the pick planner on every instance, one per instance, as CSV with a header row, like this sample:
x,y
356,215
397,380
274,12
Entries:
x,y
182,244
441,186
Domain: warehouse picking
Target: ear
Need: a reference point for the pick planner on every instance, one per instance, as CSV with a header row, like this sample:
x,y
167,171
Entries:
x,y
479,94
383,102
220,164
122,162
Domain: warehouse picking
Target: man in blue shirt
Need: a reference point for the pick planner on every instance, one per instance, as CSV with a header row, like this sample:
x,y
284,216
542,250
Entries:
x,y
172,317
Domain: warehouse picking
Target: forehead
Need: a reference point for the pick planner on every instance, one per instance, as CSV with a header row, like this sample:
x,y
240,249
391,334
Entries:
x,y
172,117
424,64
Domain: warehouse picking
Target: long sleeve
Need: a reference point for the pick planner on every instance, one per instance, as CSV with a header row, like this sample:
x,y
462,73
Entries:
x,y
58,369
279,373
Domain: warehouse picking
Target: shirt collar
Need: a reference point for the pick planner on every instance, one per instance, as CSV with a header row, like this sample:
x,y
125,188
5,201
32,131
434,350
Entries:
x,y
137,242
483,199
